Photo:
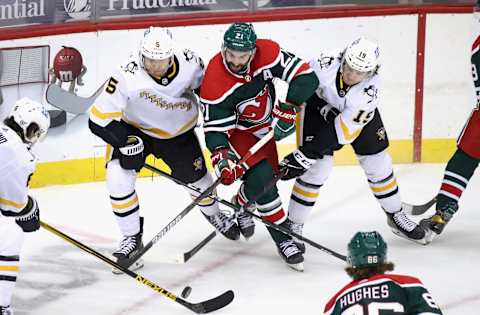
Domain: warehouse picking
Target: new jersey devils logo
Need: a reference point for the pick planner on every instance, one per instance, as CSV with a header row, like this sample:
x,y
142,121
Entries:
x,y
257,109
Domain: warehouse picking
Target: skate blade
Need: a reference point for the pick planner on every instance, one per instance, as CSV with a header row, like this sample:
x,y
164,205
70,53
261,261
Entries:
x,y
422,241
135,266
297,267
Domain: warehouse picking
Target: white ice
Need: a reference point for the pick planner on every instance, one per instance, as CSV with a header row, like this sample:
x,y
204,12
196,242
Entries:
x,y
57,278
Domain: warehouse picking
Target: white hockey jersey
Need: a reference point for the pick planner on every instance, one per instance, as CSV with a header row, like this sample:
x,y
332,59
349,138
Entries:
x,y
356,106
17,164
162,110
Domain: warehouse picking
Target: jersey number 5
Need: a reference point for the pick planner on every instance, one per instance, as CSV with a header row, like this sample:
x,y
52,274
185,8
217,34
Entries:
x,y
111,86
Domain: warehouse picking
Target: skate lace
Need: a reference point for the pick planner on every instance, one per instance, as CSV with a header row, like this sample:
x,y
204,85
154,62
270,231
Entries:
x,y
221,222
127,245
244,220
6,310
288,248
296,227
404,222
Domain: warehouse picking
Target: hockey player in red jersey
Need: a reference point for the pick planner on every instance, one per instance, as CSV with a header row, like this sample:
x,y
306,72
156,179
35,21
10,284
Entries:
x,y
24,127
374,292
240,107
462,164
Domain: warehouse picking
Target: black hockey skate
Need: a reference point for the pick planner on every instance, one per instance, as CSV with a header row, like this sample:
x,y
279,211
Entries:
x,y
290,253
225,225
298,229
6,310
402,226
245,221
128,249
442,216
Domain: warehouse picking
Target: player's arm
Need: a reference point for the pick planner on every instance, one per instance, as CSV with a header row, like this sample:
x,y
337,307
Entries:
x,y
218,120
421,302
106,112
15,201
297,73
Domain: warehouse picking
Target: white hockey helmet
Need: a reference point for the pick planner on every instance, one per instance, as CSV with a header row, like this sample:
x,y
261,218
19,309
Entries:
x,y
33,119
362,55
157,44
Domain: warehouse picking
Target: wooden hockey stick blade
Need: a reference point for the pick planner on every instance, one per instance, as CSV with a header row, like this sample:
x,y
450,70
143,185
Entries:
x,y
207,306
418,209
187,255
69,102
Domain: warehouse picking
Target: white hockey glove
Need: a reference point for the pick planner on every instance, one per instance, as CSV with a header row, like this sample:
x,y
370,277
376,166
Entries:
x,y
132,156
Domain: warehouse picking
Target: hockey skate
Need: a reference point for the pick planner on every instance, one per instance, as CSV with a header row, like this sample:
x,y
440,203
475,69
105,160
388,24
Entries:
x,y
442,216
297,228
6,310
225,225
128,249
402,226
245,221
290,253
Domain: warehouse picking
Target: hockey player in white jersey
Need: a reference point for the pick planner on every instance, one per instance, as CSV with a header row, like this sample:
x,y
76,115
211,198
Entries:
x,y
26,125
149,107
344,111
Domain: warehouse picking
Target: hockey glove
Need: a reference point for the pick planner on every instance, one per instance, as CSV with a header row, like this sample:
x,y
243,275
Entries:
x,y
30,221
131,155
295,164
328,112
225,164
283,120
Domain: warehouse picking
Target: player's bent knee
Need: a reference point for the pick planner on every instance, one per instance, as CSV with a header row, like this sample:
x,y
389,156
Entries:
x,y
377,167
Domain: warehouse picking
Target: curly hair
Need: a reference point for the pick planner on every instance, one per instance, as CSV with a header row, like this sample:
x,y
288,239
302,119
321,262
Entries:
x,y
369,271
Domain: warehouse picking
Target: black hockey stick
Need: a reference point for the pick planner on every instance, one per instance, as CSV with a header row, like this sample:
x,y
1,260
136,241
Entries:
x,y
174,222
418,209
238,208
208,192
187,255
200,308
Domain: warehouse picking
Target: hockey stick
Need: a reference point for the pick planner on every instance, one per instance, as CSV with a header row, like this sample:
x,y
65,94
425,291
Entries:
x,y
418,209
69,102
200,308
238,208
207,192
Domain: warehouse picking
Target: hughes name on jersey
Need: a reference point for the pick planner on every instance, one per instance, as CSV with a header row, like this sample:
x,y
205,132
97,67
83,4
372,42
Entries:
x,y
246,101
356,103
162,108
17,164
383,294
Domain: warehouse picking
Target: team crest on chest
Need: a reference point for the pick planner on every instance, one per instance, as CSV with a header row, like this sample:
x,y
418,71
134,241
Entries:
x,y
256,109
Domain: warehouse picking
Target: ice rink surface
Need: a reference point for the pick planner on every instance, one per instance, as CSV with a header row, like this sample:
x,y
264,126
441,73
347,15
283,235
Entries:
x,y
57,278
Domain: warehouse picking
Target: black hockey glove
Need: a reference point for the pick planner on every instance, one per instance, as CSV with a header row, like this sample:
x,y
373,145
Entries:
x,y
30,220
132,156
328,112
295,164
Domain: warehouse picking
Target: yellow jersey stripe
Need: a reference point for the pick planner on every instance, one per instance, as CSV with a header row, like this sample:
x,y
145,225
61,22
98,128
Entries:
x,y
112,115
346,132
12,203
